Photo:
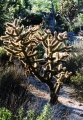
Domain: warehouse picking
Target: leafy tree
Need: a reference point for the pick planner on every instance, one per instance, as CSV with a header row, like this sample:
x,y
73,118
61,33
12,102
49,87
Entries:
x,y
40,5
44,5
17,8
69,10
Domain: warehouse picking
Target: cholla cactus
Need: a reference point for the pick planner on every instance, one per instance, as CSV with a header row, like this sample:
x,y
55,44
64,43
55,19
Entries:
x,y
23,44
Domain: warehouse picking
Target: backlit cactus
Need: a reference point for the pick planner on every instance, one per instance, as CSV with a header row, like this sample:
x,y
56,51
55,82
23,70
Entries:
x,y
22,43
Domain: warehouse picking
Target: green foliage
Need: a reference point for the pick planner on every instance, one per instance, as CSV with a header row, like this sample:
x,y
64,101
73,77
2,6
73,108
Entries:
x,y
80,3
46,113
75,63
2,16
32,115
56,4
80,19
78,24
44,5
69,10
77,59
19,114
5,114
41,50
40,54
17,8
78,79
40,5
2,52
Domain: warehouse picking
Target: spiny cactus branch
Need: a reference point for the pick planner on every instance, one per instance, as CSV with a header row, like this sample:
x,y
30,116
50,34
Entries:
x,y
23,44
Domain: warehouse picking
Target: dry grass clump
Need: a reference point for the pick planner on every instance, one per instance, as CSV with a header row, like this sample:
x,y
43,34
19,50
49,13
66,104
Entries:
x,y
3,57
75,62
13,92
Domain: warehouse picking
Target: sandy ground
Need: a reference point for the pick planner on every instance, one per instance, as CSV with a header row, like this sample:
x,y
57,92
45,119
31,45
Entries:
x,y
67,108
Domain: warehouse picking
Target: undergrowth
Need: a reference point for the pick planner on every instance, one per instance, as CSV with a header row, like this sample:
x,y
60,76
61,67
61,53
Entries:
x,y
31,115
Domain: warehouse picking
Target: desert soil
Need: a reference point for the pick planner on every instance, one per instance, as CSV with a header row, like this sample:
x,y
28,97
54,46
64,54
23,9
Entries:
x,y
67,108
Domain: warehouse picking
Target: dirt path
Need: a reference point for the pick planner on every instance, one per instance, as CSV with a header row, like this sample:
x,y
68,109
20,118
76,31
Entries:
x,y
67,108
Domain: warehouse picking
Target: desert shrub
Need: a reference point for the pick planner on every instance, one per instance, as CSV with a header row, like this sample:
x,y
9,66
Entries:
x,y
2,52
13,92
46,113
32,115
5,114
74,64
76,29
75,61
78,45
77,83
12,75
77,80
3,56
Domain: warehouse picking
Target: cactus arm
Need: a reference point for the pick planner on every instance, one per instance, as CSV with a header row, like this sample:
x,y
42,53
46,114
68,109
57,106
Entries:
x,y
67,48
21,36
38,60
56,47
29,42
54,44
19,30
11,51
33,54
16,44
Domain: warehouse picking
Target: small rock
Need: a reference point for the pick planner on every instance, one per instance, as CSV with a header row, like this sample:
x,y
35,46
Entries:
x,y
70,101
81,115
80,104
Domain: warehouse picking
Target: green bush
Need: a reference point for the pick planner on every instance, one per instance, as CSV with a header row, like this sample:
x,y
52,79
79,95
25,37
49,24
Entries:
x,y
78,79
74,64
46,113
5,114
2,52
32,115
